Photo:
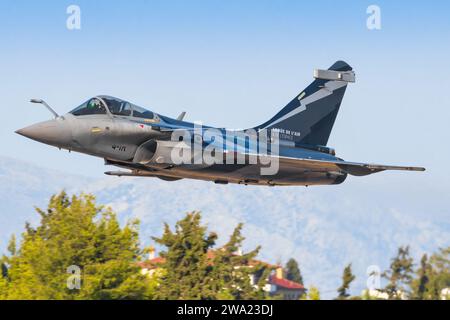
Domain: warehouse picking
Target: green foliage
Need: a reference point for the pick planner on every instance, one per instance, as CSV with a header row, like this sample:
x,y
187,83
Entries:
x,y
3,288
292,271
420,284
313,293
439,275
399,274
3,278
347,278
231,272
431,277
186,262
12,246
191,274
4,269
76,232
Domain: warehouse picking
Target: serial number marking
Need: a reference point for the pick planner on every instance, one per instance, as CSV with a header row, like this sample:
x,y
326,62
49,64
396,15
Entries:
x,y
119,147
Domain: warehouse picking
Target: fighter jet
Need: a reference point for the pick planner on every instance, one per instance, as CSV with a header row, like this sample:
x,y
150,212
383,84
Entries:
x,y
290,149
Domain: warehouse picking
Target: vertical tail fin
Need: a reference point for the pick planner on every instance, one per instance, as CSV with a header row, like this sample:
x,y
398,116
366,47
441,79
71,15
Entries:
x,y
309,117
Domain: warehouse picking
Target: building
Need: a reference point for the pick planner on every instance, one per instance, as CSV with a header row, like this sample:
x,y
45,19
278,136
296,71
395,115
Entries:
x,y
379,294
152,264
276,284
445,294
286,289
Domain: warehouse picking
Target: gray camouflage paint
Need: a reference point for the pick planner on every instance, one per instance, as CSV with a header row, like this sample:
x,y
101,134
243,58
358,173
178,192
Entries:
x,y
135,144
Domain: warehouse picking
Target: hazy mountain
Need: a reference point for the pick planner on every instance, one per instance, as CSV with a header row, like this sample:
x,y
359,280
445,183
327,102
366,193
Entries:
x,y
23,186
324,228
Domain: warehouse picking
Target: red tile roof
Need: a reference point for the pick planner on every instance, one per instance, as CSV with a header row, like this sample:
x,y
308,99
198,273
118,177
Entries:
x,y
152,263
285,283
155,262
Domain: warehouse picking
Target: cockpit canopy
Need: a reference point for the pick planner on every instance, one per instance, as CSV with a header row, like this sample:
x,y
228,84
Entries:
x,y
115,106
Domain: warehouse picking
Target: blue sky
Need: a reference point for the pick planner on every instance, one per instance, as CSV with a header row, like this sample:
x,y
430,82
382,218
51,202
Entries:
x,y
234,64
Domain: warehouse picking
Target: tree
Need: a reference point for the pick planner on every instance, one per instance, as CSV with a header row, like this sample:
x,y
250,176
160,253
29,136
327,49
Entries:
x,y
232,273
399,274
3,278
313,293
419,286
4,263
440,273
292,271
3,288
190,273
76,233
186,262
347,278
12,246
3,268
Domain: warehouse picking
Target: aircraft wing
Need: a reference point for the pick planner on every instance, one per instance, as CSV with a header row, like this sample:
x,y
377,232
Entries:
x,y
353,168
290,164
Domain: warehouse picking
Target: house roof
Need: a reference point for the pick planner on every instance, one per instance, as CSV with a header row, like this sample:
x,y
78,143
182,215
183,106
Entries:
x,y
151,263
285,283
211,254
279,282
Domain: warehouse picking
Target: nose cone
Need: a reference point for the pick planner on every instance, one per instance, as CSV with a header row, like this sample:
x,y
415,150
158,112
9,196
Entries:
x,y
53,132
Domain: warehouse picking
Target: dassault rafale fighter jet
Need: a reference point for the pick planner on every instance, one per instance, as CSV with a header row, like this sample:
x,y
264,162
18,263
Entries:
x,y
288,149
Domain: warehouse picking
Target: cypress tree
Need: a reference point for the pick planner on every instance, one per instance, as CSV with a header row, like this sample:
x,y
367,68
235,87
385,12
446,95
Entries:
x,y
186,264
292,271
399,274
191,273
440,273
347,278
232,273
419,285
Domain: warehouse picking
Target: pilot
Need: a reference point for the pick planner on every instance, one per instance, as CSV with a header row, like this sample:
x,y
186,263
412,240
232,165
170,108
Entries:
x,y
96,104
